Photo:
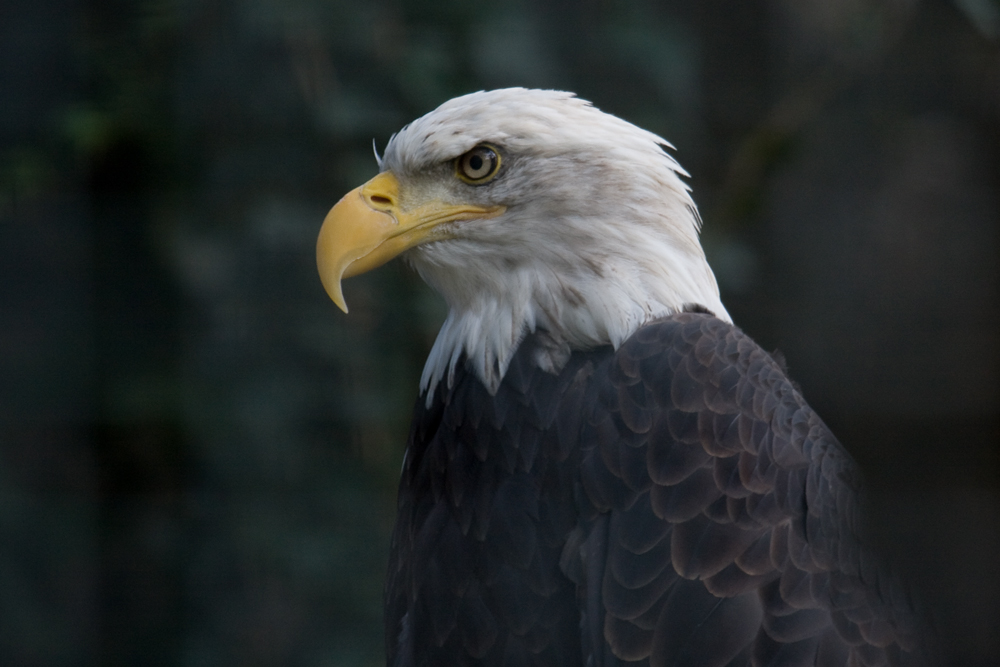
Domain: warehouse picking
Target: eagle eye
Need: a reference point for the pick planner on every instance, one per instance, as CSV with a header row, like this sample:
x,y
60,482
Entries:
x,y
478,165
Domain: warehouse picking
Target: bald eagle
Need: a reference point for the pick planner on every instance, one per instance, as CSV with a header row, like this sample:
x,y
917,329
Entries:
x,y
601,468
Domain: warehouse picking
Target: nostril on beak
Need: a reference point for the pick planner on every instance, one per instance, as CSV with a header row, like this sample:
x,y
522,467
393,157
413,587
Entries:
x,y
380,201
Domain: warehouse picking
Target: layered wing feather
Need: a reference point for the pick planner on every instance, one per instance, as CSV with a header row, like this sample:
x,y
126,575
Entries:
x,y
748,499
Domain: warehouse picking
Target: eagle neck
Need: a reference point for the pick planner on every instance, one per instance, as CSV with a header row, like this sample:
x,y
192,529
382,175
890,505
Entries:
x,y
573,308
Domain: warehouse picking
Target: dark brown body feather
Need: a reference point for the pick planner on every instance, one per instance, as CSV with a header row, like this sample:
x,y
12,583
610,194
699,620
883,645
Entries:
x,y
672,503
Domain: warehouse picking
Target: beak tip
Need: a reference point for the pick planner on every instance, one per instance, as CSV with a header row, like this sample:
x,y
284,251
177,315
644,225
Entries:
x,y
331,284
336,294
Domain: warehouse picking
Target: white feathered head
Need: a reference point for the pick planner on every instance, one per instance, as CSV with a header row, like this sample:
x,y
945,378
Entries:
x,y
527,210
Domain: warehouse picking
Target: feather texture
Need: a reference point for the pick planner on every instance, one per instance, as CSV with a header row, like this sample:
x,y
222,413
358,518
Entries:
x,y
679,504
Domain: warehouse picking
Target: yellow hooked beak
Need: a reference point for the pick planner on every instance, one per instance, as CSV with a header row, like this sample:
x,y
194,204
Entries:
x,y
367,228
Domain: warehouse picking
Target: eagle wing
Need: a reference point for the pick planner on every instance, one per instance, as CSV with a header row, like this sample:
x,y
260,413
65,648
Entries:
x,y
727,515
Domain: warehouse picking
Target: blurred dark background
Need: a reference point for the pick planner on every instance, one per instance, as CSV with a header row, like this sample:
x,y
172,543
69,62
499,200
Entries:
x,y
199,452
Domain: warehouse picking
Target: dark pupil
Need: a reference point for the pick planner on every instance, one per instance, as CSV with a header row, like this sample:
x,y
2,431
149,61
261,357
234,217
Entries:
x,y
476,162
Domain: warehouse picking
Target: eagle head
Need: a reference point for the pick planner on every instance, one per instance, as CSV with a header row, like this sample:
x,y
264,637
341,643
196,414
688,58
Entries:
x,y
528,211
